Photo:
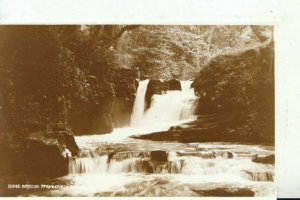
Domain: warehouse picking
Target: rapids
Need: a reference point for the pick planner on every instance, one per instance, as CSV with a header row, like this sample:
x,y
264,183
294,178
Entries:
x,y
116,165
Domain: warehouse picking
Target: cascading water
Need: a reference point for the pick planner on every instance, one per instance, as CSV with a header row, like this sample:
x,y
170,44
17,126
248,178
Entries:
x,y
173,106
123,162
166,110
205,163
139,104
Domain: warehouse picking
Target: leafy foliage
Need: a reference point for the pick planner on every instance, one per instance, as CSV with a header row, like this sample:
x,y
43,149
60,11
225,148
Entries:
x,y
167,52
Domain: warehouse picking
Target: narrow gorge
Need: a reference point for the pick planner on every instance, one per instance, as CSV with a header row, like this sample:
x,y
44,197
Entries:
x,y
136,110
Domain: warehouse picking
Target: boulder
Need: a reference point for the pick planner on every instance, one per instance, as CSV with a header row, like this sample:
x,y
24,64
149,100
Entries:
x,y
159,156
265,160
38,155
67,140
229,155
160,87
173,84
44,159
154,87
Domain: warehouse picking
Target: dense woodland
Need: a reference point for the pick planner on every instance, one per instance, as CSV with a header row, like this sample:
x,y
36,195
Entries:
x,y
83,79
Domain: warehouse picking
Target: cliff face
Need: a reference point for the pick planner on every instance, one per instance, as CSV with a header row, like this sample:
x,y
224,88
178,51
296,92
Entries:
x,y
125,86
241,83
56,82
62,75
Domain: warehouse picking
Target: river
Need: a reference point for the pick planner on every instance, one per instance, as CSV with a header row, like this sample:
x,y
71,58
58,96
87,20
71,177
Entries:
x,y
115,164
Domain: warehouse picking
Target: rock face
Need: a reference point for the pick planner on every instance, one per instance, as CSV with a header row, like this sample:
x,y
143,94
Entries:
x,y
38,155
121,112
211,128
241,83
125,86
100,114
66,82
90,119
160,87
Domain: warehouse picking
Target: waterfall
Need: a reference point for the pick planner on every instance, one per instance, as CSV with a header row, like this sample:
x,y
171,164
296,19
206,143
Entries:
x,y
116,154
167,108
186,86
139,103
88,162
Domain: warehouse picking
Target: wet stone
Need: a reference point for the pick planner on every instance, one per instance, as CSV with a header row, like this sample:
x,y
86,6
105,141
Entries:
x,y
159,156
226,192
265,160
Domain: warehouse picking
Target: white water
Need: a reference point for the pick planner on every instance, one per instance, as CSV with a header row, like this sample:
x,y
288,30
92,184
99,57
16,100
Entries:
x,y
114,163
139,104
94,173
169,108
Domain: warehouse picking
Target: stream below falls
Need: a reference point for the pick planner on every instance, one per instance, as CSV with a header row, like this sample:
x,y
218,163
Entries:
x,y
116,165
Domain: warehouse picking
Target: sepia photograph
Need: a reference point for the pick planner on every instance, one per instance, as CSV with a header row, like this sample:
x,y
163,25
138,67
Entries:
x,y
136,110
